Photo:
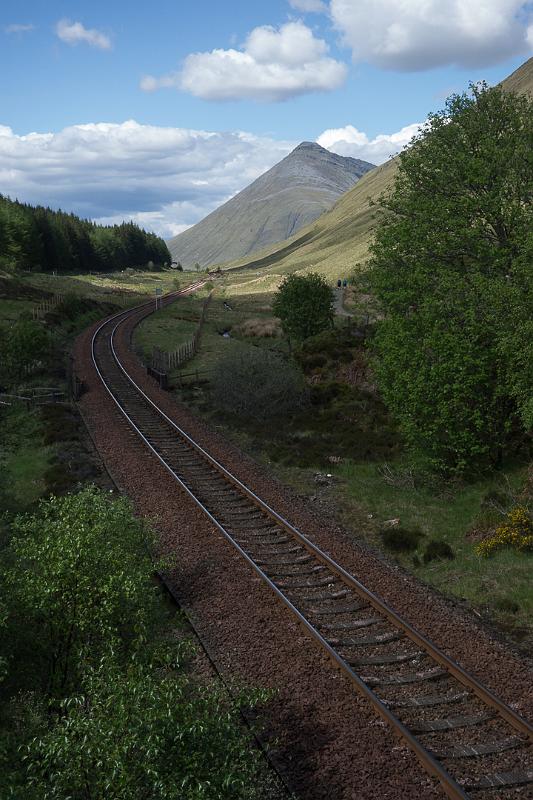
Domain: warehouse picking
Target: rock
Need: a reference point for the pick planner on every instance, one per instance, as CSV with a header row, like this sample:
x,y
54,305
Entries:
x,y
391,523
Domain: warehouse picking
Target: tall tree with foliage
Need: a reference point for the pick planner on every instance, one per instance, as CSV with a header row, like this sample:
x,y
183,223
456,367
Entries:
x,y
304,304
451,267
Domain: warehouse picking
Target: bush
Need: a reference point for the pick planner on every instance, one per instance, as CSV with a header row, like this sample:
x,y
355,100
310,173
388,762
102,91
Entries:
x,y
314,361
263,328
507,605
257,384
401,540
145,731
438,550
80,578
516,532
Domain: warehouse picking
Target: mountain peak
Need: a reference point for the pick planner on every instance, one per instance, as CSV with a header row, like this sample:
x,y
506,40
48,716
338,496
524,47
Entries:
x,y
288,196
310,146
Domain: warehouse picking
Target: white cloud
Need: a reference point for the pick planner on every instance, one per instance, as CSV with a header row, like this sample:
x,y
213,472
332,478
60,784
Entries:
x,y
421,34
349,141
316,6
164,178
74,32
529,37
274,64
18,27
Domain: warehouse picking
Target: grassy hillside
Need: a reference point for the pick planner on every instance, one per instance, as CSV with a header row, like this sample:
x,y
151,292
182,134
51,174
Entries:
x,y
521,80
339,239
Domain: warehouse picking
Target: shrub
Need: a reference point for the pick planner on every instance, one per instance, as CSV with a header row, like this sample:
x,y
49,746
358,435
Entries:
x,y
257,384
264,328
401,540
516,532
144,732
80,578
507,605
314,361
438,550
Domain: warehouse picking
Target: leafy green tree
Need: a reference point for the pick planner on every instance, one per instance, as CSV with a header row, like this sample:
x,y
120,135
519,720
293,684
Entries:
x,y
79,579
304,304
451,268
144,732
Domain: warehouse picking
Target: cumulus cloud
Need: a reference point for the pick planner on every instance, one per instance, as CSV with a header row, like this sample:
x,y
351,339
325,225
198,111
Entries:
x,y
415,35
17,27
74,32
274,64
349,141
316,6
164,178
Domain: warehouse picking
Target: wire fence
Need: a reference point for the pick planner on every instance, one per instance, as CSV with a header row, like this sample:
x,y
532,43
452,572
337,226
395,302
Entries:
x,y
163,361
47,305
34,396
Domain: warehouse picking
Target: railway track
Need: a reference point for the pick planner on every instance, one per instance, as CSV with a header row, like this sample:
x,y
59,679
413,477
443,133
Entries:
x,y
474,744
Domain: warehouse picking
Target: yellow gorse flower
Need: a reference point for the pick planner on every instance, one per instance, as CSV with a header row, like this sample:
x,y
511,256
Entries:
x,y
516,532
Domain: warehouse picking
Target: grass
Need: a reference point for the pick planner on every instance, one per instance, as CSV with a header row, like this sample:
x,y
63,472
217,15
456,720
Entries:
x,y
122,288
25,457
10,310
229,311
169,327
364,492
445,512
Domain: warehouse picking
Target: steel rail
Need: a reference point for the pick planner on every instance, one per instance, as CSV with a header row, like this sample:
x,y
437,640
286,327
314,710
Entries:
x,y
429,762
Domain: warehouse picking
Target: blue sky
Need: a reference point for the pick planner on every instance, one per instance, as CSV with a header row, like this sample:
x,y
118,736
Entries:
x,y
219,92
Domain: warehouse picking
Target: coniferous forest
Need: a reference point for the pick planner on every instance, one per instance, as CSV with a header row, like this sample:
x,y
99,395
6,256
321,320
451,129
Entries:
x,y
38,238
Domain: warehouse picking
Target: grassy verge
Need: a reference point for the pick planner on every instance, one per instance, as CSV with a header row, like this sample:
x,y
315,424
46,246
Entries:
x,y
499,587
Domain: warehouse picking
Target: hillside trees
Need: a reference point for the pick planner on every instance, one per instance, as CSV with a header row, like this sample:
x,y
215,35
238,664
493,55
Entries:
x,y
304,303
451,267
39,238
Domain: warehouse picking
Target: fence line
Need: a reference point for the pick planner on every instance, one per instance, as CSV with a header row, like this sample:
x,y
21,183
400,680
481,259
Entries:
x,y
47,305
164,361
34,396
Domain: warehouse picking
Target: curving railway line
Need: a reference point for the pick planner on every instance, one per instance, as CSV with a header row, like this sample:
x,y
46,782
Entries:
x,y
474,744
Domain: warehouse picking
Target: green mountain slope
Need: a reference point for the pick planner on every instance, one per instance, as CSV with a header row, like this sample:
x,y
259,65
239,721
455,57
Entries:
x,y
339,239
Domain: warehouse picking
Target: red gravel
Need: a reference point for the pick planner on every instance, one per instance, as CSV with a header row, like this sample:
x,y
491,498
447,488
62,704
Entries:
x,y
330,743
